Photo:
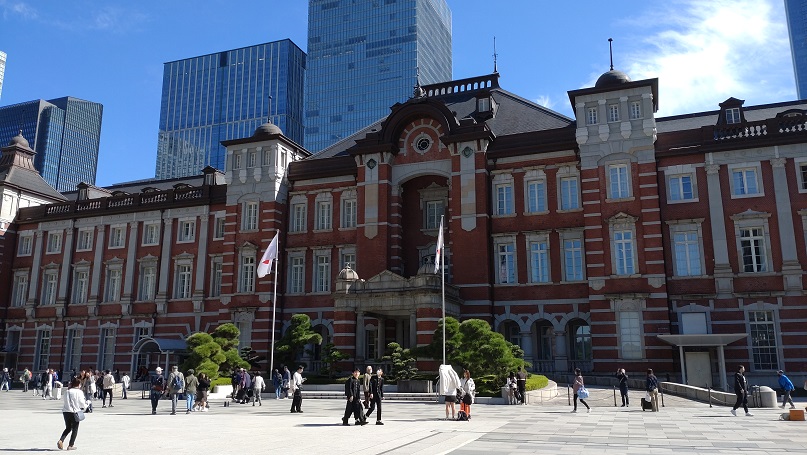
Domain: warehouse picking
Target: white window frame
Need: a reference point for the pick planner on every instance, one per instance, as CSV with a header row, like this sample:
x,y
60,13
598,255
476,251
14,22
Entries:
x,y
572,248
250,218
624,247
236,161
72,355
539,272
296,272
753,220
151,234
801,173
503,195
768,319
349,210
50,286
591,115
19,291
183,277
298,208
687,227
619,181
246,269
635,110
505,258
117,237
219,226
186,230
567,180
26,245
54,245
613,113
81,284
216,267
84,240
744,169
322,272
114,282
678,196
42,350
147,282
535,198
733,116
252,159
433,211
347,255
630,334
323,214
106,348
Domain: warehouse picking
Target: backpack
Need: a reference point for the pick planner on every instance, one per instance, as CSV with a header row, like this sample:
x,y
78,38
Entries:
x,y
462,416
178,383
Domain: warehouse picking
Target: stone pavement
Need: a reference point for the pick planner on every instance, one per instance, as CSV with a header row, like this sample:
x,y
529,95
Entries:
x,y
30,425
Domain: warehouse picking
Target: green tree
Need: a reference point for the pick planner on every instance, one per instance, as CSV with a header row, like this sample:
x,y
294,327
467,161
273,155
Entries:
x,y
215,354
330,357
298,335
403,362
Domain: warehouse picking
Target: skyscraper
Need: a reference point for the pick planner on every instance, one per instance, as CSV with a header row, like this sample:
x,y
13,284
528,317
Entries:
x,y
364,56
796,11
2,70
225,95
64,132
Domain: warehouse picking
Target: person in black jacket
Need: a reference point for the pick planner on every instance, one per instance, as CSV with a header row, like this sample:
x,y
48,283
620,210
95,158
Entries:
x,y
353,396
741,390
622,377
376,395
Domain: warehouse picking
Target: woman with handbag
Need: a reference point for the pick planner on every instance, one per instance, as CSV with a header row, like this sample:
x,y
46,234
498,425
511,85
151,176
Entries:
x,y
468,392
580,391
73,412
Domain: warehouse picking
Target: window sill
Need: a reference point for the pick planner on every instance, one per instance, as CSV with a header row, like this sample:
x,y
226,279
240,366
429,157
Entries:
x,y
298,232
82,250
621,199
320,293
545,212
682,201
632,275
504,215
215,239
116,247
244,231
320,231
689,277
347,228
578,209
583,281
755,274
746,196
185,241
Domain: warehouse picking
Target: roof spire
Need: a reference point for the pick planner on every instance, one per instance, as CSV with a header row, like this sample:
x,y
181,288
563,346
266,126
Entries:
x,y
269,117
418,92
611,52
495,56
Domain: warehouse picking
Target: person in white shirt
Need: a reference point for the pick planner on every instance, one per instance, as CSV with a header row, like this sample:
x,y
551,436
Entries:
x,y
258,384
74,403
47,387
109,384
296,387
125,380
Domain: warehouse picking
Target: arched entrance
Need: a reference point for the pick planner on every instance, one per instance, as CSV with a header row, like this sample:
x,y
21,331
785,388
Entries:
x,y
579,333
158,352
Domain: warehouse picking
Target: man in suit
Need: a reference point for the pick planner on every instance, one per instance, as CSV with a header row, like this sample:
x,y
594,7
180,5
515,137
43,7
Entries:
x,y
353,396
297,390
376,395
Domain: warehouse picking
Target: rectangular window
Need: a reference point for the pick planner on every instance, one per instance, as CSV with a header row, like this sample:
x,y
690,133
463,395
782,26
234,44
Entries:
x,y
752,248
42,357
613,112
591,116
504,199
536,196
251,159
506,261
623,252
349,213
347,259
573,260
215,278
20,292
113,280
250,219
116,236
298,218
745,181
267,157
183,287
80,286
630,334
49,280
148,281
84,240
187,231
569,196
25,246
763,340
681,188
687,254
434,210
296,274
618,174
151,234
323,215
73,352
106,349
539,262
322,278
733,115
635,110
54,242
236,161
247,273
218,228
802,170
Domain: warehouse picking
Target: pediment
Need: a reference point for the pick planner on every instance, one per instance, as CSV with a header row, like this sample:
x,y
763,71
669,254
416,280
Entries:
x,y
387,277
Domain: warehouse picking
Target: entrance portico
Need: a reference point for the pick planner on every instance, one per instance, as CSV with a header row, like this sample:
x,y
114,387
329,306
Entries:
x,y
711,340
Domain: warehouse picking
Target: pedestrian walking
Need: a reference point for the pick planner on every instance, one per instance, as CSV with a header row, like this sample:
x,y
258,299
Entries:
x,y
512,389
651,386
87,385
47,387
468,391
26,379
277,383
577,387
258,384
201,392
368,373
125,381
297,390
353,400
109,384
157,389
191,385
521,376
5,380
376,395
622,377
176,386
787,386
741,390
73,413
448,384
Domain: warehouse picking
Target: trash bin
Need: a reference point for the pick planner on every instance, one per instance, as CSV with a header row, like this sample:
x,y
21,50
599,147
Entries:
x,y
762,397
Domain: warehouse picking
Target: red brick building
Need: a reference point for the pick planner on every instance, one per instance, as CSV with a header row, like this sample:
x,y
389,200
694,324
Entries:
x,y
615,239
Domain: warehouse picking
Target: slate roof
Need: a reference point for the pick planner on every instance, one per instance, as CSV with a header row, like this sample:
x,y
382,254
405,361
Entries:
x,y
17,170
709,118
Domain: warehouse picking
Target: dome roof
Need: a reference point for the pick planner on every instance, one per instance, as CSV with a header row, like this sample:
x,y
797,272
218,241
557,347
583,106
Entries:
x,y
267,129
611,79
348,274
19,140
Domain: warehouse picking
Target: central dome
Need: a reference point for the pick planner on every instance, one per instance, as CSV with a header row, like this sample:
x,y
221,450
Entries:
x,y
20,140
611,79
267,129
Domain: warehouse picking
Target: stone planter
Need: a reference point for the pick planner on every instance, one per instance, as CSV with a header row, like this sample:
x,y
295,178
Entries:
x,y
415,386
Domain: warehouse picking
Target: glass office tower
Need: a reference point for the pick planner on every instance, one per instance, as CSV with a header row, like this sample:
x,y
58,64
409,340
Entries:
x,y
796,11
65,133
364,56
222,96
2,70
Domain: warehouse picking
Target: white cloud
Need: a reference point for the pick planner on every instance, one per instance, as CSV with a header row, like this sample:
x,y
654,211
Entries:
x,y
705,51
545,101
18,9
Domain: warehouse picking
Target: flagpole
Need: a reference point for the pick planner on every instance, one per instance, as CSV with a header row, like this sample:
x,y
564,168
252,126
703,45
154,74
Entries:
x,y
443,281
274,305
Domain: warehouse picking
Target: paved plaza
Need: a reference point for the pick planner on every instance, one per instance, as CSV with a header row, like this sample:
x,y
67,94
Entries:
x,y
29,425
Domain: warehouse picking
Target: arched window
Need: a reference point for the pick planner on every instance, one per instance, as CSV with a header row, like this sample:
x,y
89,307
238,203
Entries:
x,y
511,332
580,333
544,333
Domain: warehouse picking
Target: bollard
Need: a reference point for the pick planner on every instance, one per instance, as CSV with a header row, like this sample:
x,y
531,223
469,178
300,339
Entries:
x,y
662,396
709,390
614,396
568,395
226,404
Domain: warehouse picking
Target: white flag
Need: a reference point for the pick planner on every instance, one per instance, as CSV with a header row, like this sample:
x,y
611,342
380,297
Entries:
x,y
270,255
439,250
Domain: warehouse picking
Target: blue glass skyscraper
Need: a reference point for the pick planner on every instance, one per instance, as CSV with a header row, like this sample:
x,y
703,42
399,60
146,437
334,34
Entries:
x,y
364,56
222,96
796,11
65,133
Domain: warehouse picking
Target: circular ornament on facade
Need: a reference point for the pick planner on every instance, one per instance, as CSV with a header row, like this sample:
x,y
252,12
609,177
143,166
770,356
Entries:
x,y
371,164
467,151
423,143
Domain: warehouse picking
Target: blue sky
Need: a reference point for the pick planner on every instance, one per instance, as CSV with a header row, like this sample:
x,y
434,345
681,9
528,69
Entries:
x,y
112,52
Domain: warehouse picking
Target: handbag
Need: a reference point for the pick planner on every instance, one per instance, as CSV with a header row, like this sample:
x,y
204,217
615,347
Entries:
x,y
582,392
80,415
647,397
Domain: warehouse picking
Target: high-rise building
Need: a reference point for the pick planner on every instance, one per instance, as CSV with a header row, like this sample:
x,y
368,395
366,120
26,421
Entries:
x,y
65,133
2,70
364,56
796,11
226,95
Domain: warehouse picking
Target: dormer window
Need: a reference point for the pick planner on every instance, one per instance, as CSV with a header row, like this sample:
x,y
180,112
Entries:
x,y
731,112
483,104
733,115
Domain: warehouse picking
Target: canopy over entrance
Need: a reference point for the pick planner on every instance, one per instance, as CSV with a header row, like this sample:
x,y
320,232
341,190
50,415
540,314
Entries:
x,y
704,340
148,352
